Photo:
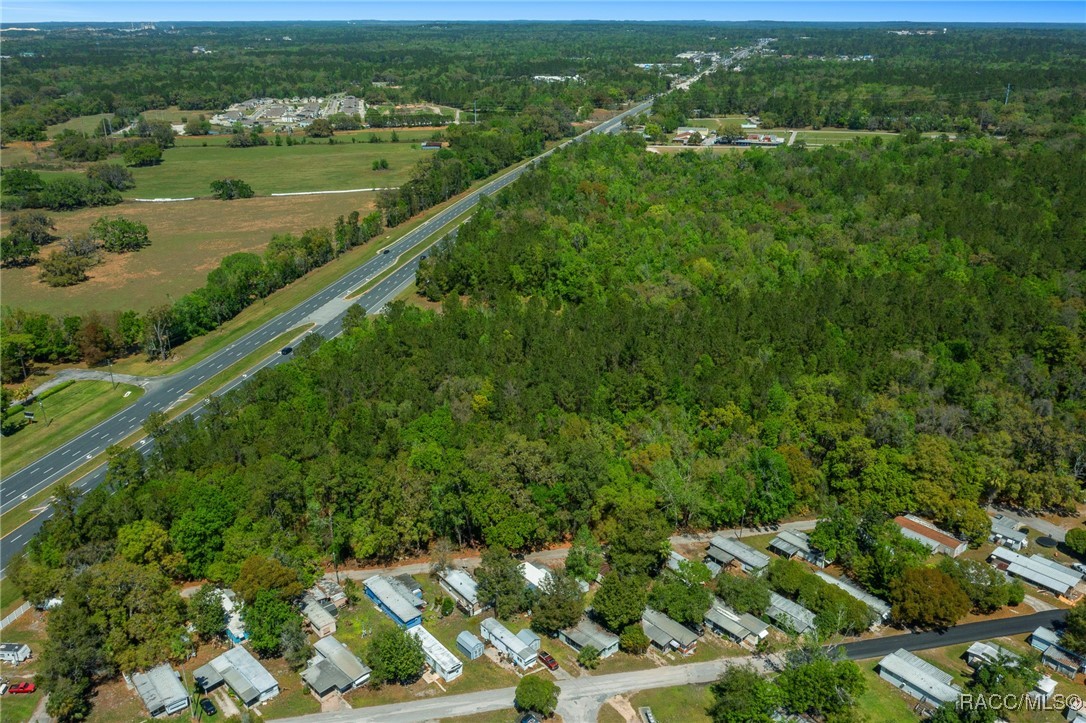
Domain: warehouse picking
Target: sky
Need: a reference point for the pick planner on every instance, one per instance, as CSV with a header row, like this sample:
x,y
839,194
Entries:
x,y
929,11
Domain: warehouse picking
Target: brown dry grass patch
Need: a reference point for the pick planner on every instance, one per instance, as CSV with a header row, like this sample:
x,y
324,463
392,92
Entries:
x,y
188,239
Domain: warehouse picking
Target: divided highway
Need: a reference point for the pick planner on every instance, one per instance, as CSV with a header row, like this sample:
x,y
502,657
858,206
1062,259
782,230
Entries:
x,y
325,310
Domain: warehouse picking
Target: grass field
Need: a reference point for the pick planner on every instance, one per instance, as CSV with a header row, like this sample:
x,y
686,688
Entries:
x,y
173,114
681,704
188,170
188,239
83,124
71,412
880,701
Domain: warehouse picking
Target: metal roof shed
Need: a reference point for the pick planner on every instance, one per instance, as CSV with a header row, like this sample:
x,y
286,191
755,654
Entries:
x,y
470,645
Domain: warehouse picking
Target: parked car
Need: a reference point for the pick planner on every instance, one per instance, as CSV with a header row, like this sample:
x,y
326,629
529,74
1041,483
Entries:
x,y
547,660
24,687
209,707
3,688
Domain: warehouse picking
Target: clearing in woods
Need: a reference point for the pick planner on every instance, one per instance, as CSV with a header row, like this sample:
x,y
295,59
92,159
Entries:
x,y
188,239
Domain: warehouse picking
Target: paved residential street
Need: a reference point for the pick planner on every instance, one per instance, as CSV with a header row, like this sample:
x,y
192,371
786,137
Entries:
x,y
581,698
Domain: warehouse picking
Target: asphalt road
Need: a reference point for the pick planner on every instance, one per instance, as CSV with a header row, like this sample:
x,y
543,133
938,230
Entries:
x,y
984,630
581,698
325,309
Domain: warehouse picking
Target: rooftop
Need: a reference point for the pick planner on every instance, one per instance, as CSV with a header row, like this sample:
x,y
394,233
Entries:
x,y
463,583
434,650
671,629
921,674
587,632
1038,570
927,530
511,642
881,607
159,687
799,618
534,574
391,597
735,550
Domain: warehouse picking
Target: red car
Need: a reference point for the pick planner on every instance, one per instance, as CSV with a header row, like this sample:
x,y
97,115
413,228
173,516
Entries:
x,y
22,688
547,660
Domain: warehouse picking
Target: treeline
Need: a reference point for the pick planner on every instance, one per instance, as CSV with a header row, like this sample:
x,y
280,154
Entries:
x,y
489,65
376,119
953,83
474,152
239,280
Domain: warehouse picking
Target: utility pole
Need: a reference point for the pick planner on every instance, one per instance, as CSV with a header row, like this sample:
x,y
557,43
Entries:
x,y
42,408
332,539
111,381
1007,98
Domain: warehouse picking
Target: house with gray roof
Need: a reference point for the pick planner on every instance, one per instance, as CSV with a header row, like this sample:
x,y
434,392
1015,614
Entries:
x,y
1037,570
795,544
161,690
880,607
508,644
334,669
14,653
980,653
788,615
667,634
1008,533
724,552
918,678
462,588
742,628
442,662
587,633
1053,655
250,681
317,617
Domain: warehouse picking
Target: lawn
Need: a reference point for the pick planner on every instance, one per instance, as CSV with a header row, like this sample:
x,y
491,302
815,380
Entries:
x,y
293,698
680,704
173,114
188,239
880,701
188,169
70,411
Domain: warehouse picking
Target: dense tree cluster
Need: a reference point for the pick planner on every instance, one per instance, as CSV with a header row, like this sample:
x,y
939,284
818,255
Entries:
x,y
484,65
954,83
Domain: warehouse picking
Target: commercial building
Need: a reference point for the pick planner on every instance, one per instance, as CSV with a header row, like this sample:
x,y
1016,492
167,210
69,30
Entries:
x,y
161,690
919,678
667,634
1008,533
392,601
1058,579
442,662
249,680
317,617
506,643
586,633
741,628
14,653
788,615
334,668
792,544
462,588
880,607
930,536
470,645
725,552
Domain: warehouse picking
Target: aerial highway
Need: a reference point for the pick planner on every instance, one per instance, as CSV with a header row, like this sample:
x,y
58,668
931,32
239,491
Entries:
x,y
324,312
